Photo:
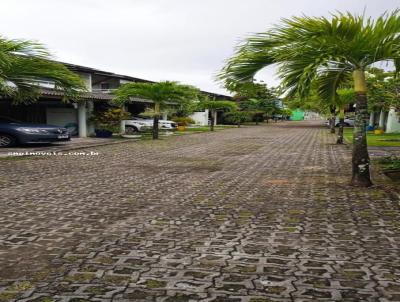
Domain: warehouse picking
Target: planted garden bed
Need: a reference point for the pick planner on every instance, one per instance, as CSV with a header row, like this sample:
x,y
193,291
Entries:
x,y
390,167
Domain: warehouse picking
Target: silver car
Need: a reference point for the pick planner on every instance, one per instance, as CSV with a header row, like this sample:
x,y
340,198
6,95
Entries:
x,y
348,122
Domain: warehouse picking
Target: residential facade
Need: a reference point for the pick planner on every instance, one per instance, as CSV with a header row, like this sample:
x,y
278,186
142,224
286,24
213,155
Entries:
x,y
51,109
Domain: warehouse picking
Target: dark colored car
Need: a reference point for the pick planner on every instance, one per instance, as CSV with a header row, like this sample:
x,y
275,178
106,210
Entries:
x,y
13,132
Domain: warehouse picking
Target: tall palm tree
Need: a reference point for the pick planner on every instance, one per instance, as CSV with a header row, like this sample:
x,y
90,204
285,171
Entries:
x,y
163,94
307,48
343,98
24,64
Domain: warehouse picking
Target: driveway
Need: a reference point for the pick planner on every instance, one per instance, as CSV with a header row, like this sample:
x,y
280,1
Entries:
x,y
254,214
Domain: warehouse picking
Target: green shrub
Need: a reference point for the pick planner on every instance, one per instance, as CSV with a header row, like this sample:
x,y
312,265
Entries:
x,y
237,117
183,121
110,119
390,162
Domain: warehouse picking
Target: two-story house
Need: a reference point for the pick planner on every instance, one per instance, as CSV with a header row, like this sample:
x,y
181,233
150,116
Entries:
x,y
51,109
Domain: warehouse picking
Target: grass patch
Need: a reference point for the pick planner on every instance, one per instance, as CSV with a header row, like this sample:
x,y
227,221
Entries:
x,y
21,286
207,128
155,284
389,162
376,140
83,277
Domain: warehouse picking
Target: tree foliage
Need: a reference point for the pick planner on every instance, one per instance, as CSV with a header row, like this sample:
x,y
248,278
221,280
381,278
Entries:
x,y
306,49
237,117
256,99
383,89
162,93
25,64
206,103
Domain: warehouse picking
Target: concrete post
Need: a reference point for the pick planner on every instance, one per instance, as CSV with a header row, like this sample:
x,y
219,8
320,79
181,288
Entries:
x,y
215,117
90,126
206,115
382,119
372,119
393,123
82,119
165,116
122,125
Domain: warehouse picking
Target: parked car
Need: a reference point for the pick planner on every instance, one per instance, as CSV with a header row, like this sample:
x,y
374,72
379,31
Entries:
x,y
138,124
165,124
13,132
348,122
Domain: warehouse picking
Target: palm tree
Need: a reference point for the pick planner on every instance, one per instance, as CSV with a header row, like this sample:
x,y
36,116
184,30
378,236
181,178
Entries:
x,y
24,64
343,97
163,94
214,106
307,48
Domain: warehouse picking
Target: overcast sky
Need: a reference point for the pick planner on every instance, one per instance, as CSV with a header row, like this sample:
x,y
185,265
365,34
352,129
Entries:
x,y
181,40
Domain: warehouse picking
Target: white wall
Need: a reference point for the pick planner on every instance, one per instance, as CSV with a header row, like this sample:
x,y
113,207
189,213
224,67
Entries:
x,y
201,118
312,116
122,81
393,121
87,79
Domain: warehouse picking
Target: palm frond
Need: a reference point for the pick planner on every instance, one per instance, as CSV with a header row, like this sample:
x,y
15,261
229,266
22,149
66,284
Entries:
x,y
160,92
303,47
330,80
24,64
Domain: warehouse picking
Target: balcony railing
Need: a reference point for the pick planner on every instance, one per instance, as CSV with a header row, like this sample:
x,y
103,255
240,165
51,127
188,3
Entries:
x,y
99,90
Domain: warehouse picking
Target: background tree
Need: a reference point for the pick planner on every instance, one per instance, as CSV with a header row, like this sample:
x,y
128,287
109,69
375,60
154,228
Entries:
x,y
24,64
383,89
237,117
255,98
163,94
286,113
306,48
342,99
214,106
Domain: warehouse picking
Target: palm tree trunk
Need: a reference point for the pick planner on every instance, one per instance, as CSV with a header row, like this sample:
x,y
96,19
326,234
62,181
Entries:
x,y
360,161
332,122
155,120
212,119
341,125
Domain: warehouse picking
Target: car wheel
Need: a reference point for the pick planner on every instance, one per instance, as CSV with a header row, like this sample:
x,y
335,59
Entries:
x,y
7,141
131,130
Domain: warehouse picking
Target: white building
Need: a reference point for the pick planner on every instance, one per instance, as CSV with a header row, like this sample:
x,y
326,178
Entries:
x,y
389,121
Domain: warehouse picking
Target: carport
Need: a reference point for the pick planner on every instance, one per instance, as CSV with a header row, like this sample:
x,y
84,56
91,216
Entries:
x,y
51,108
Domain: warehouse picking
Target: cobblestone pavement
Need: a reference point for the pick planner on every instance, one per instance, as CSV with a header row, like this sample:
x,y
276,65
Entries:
x,y
254,214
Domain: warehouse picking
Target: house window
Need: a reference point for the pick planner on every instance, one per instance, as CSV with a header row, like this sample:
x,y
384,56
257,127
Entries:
x,y
105,86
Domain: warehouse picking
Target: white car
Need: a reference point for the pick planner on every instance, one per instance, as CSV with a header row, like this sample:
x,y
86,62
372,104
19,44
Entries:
x,y
138,124
348,122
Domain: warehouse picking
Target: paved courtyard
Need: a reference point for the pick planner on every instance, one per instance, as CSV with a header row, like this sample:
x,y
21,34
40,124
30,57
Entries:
x,y
254,214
